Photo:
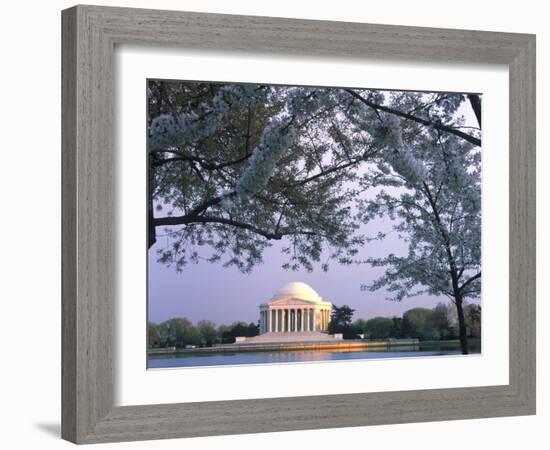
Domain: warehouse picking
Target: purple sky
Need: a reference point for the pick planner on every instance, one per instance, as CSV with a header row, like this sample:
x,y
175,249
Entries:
x,y
224,295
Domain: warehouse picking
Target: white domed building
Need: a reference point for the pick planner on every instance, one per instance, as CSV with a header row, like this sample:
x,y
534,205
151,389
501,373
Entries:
x,y
295,313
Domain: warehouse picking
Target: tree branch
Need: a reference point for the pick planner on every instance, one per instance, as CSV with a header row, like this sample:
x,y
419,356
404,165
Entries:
x,y
181,156
329,171
438,126
475,102
185,220
470,280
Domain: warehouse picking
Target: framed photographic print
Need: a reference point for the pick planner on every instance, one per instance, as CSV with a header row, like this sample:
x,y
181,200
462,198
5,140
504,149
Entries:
x,y
241,173
256,210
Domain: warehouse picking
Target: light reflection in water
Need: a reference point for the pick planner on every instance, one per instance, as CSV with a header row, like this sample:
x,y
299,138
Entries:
x,y
274,357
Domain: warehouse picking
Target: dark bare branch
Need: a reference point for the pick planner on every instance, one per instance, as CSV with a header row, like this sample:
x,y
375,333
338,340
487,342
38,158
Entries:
x,y
469,281
475,101
186,220
438,126
182,156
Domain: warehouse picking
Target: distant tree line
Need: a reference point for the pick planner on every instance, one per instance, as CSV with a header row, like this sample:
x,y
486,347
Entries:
x,y
180,332
439,323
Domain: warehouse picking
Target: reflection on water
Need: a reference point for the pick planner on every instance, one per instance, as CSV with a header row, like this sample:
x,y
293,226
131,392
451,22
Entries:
x,y
271,357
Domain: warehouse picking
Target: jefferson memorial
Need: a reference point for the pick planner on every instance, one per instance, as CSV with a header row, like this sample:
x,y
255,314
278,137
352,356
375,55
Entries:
x,y
295,313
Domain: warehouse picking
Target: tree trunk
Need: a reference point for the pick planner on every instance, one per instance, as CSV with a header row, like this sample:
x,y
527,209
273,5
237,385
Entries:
x,y
151,231
475,102
461,325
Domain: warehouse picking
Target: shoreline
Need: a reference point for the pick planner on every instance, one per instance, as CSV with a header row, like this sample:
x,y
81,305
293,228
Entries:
x,y
297,346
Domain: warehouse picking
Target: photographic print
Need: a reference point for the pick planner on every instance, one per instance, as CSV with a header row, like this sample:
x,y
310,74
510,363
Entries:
x,y
293,224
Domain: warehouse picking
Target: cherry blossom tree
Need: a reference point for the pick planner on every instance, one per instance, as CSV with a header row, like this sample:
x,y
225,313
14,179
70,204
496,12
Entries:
x,y
234,167
430,187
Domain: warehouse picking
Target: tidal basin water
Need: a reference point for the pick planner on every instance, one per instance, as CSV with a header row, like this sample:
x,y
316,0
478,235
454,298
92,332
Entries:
x,y
197,359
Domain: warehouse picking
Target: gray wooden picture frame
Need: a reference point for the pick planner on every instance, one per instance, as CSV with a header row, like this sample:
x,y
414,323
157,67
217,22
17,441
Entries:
x,y
90,34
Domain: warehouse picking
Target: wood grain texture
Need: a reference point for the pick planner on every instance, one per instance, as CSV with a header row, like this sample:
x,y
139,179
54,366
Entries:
x,y
68,226
89,36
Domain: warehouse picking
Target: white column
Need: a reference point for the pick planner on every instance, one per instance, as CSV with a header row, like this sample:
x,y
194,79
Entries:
x,y
287,320
303,320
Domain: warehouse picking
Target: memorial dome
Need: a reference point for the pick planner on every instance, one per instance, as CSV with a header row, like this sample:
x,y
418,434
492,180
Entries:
x,y
297,290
